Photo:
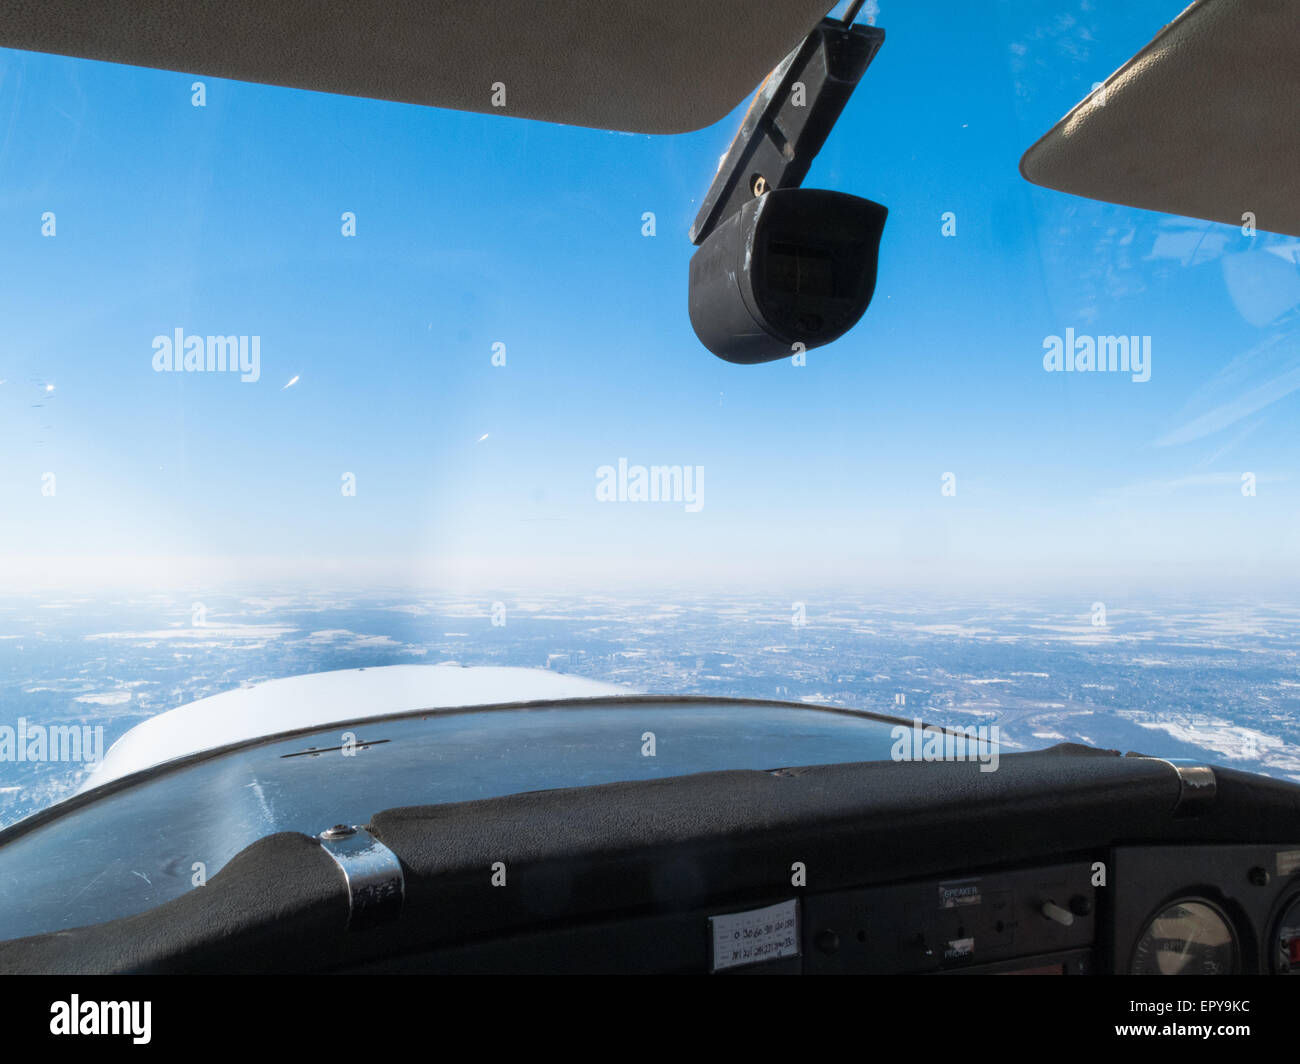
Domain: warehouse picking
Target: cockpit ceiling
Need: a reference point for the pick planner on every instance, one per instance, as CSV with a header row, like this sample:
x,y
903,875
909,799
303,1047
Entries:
x,y
644,66
1203,122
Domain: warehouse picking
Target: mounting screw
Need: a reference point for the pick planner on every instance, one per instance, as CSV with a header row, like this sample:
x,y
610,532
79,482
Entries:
x,y
1259,876
338,831
758,184
828,941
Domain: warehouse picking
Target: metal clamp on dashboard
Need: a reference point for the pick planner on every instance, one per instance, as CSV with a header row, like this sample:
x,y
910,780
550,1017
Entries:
x,y
1197,785
376,885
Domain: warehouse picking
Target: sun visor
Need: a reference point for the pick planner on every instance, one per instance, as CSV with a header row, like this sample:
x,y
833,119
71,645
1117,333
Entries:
x,y
1203,122
643,66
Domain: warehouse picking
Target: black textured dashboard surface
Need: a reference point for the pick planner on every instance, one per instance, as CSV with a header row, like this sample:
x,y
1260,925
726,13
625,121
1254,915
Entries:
x,y
582,855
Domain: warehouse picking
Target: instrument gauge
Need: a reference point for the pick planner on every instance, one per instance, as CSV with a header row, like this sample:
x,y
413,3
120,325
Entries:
x,y
1189,937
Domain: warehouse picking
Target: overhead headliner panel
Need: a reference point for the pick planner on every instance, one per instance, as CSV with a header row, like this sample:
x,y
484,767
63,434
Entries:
x,y
1203,122
645,66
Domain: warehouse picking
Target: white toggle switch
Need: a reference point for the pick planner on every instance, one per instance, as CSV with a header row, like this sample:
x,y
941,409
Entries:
x,y
1054,912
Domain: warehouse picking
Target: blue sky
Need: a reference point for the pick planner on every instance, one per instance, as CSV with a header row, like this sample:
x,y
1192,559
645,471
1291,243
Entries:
x,y
478,229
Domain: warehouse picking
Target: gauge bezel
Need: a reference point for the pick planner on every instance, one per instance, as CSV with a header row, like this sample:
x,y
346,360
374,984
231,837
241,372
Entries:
x,y
1288,898
1234,931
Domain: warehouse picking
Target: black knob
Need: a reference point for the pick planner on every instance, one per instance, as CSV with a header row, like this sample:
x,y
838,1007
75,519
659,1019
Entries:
x,y
828,941
1259,876
1081,905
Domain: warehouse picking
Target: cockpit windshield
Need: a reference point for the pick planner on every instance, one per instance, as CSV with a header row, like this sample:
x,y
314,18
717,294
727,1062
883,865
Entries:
x,y
296,382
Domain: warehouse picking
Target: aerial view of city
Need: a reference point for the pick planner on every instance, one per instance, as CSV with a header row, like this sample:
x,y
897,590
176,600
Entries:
x,y
1217,682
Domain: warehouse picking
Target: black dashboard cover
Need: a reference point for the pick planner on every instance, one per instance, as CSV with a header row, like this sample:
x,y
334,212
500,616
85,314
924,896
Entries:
x,y
578,855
